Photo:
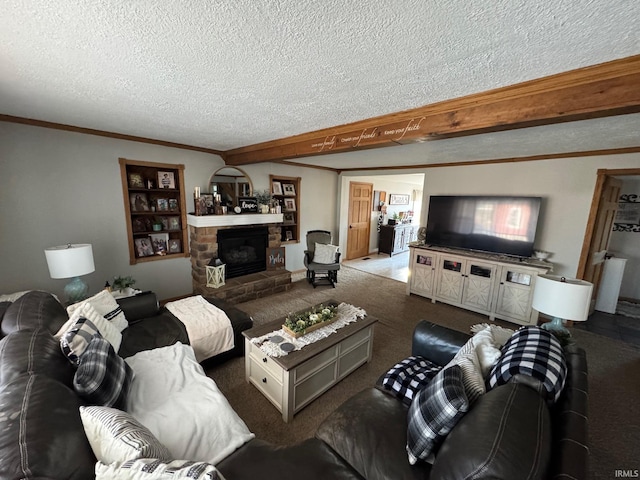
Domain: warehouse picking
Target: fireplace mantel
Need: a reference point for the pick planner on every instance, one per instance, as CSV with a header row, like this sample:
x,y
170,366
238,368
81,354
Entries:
x,y
231,220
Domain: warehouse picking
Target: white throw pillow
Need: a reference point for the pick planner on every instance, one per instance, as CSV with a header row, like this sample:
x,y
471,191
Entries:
x,y
171,395
154,469
115,436
325,253
105,328
105,305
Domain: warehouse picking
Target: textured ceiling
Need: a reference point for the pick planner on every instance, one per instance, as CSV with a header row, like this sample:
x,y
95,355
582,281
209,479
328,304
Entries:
x,y
226,74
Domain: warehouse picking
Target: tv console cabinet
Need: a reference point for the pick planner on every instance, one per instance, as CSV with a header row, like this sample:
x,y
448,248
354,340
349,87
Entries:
x,y
494,285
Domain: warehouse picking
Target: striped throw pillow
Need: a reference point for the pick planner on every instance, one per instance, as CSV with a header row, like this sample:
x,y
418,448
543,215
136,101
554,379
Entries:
x,y
115,436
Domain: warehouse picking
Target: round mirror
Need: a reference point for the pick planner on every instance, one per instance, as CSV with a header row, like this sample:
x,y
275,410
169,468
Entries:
x,y
230,183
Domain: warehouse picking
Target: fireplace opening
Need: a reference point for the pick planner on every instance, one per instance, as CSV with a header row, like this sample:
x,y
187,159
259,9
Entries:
x,y
243,250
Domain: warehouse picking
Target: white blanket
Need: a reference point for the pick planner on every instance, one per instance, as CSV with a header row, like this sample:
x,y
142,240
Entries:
x,y
171,396
208,327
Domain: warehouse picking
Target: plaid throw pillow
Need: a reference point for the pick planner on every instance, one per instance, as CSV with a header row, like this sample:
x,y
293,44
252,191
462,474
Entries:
x,y
102,378
434,412
534,352
407,378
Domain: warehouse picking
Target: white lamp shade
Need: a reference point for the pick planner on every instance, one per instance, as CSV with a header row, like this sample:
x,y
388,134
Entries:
x,y
67,261
568,299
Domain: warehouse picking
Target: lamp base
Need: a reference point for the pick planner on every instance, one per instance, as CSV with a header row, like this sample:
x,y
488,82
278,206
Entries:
x,y
76,290
556,326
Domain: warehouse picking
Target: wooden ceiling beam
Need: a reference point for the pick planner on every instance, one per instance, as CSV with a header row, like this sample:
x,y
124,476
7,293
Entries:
x,y
603,90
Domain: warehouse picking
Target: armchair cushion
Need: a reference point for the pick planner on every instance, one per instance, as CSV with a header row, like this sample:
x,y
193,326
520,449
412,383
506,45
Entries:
x,y
325,254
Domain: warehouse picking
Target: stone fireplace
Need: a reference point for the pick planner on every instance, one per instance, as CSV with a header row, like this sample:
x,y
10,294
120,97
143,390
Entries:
x,y
244,240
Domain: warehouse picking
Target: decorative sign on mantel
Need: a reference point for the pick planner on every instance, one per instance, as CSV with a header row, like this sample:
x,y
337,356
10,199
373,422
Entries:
x,y
628,214
248,204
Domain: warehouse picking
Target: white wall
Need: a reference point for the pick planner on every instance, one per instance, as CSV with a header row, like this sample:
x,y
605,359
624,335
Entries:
x,y
566,184
61,187
58,187
627,245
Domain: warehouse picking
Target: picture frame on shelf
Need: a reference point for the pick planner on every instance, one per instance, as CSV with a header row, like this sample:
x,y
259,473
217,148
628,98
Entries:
x,y
290,204
173,205
136,180
276,188
289,189
166,180
398,199
139,202
288,235
144,248
159,243
289,218
150,184
162,204
175,245
171,223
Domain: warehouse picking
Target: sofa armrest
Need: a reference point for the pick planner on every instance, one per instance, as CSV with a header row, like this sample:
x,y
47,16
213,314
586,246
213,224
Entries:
x,y
139,306
437,343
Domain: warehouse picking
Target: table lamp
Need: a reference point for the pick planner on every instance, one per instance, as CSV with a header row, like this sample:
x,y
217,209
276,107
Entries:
x,y
563,299
71,261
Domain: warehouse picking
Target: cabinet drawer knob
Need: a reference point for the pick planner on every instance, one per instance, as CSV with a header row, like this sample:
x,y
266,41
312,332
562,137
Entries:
x,y
264,359
264,380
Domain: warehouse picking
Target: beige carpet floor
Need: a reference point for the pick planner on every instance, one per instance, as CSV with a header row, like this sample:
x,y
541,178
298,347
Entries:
x,y
614,398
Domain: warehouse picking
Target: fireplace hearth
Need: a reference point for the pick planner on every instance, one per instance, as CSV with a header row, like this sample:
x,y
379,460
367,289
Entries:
x,y
243,250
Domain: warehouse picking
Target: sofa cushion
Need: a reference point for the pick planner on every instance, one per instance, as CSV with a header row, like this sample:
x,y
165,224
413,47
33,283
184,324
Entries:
x,y
105,305
406,378
32,310
154,469
310,459
536,354
434,412
505,435
41,433
103,378
369,431
153,332
33,351
115,436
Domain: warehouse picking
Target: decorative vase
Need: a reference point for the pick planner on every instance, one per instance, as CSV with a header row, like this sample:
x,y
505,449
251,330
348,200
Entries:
x,y
264,208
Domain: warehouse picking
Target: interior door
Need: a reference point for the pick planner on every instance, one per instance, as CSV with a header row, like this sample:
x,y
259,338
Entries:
x,y
607,208
360,198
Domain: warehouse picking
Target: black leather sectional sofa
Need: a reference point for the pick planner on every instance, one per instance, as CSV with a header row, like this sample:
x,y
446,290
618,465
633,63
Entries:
x,y
41,434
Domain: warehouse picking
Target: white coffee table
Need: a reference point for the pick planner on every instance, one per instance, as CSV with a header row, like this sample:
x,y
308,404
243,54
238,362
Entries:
x,y
295,380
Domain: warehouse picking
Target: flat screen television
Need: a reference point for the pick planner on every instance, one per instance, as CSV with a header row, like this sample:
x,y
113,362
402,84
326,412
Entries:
x,y
496,224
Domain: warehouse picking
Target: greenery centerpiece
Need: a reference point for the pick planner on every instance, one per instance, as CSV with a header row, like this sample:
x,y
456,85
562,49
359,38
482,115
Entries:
x,y
301,323
263,198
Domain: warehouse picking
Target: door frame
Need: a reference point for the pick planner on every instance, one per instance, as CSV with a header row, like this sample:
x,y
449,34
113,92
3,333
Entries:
x,y
602,175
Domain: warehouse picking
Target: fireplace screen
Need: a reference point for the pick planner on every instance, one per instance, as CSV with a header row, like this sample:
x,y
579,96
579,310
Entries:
x,y
243,250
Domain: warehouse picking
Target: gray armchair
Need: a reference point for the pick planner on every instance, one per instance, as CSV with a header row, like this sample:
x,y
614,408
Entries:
x,y
317,271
